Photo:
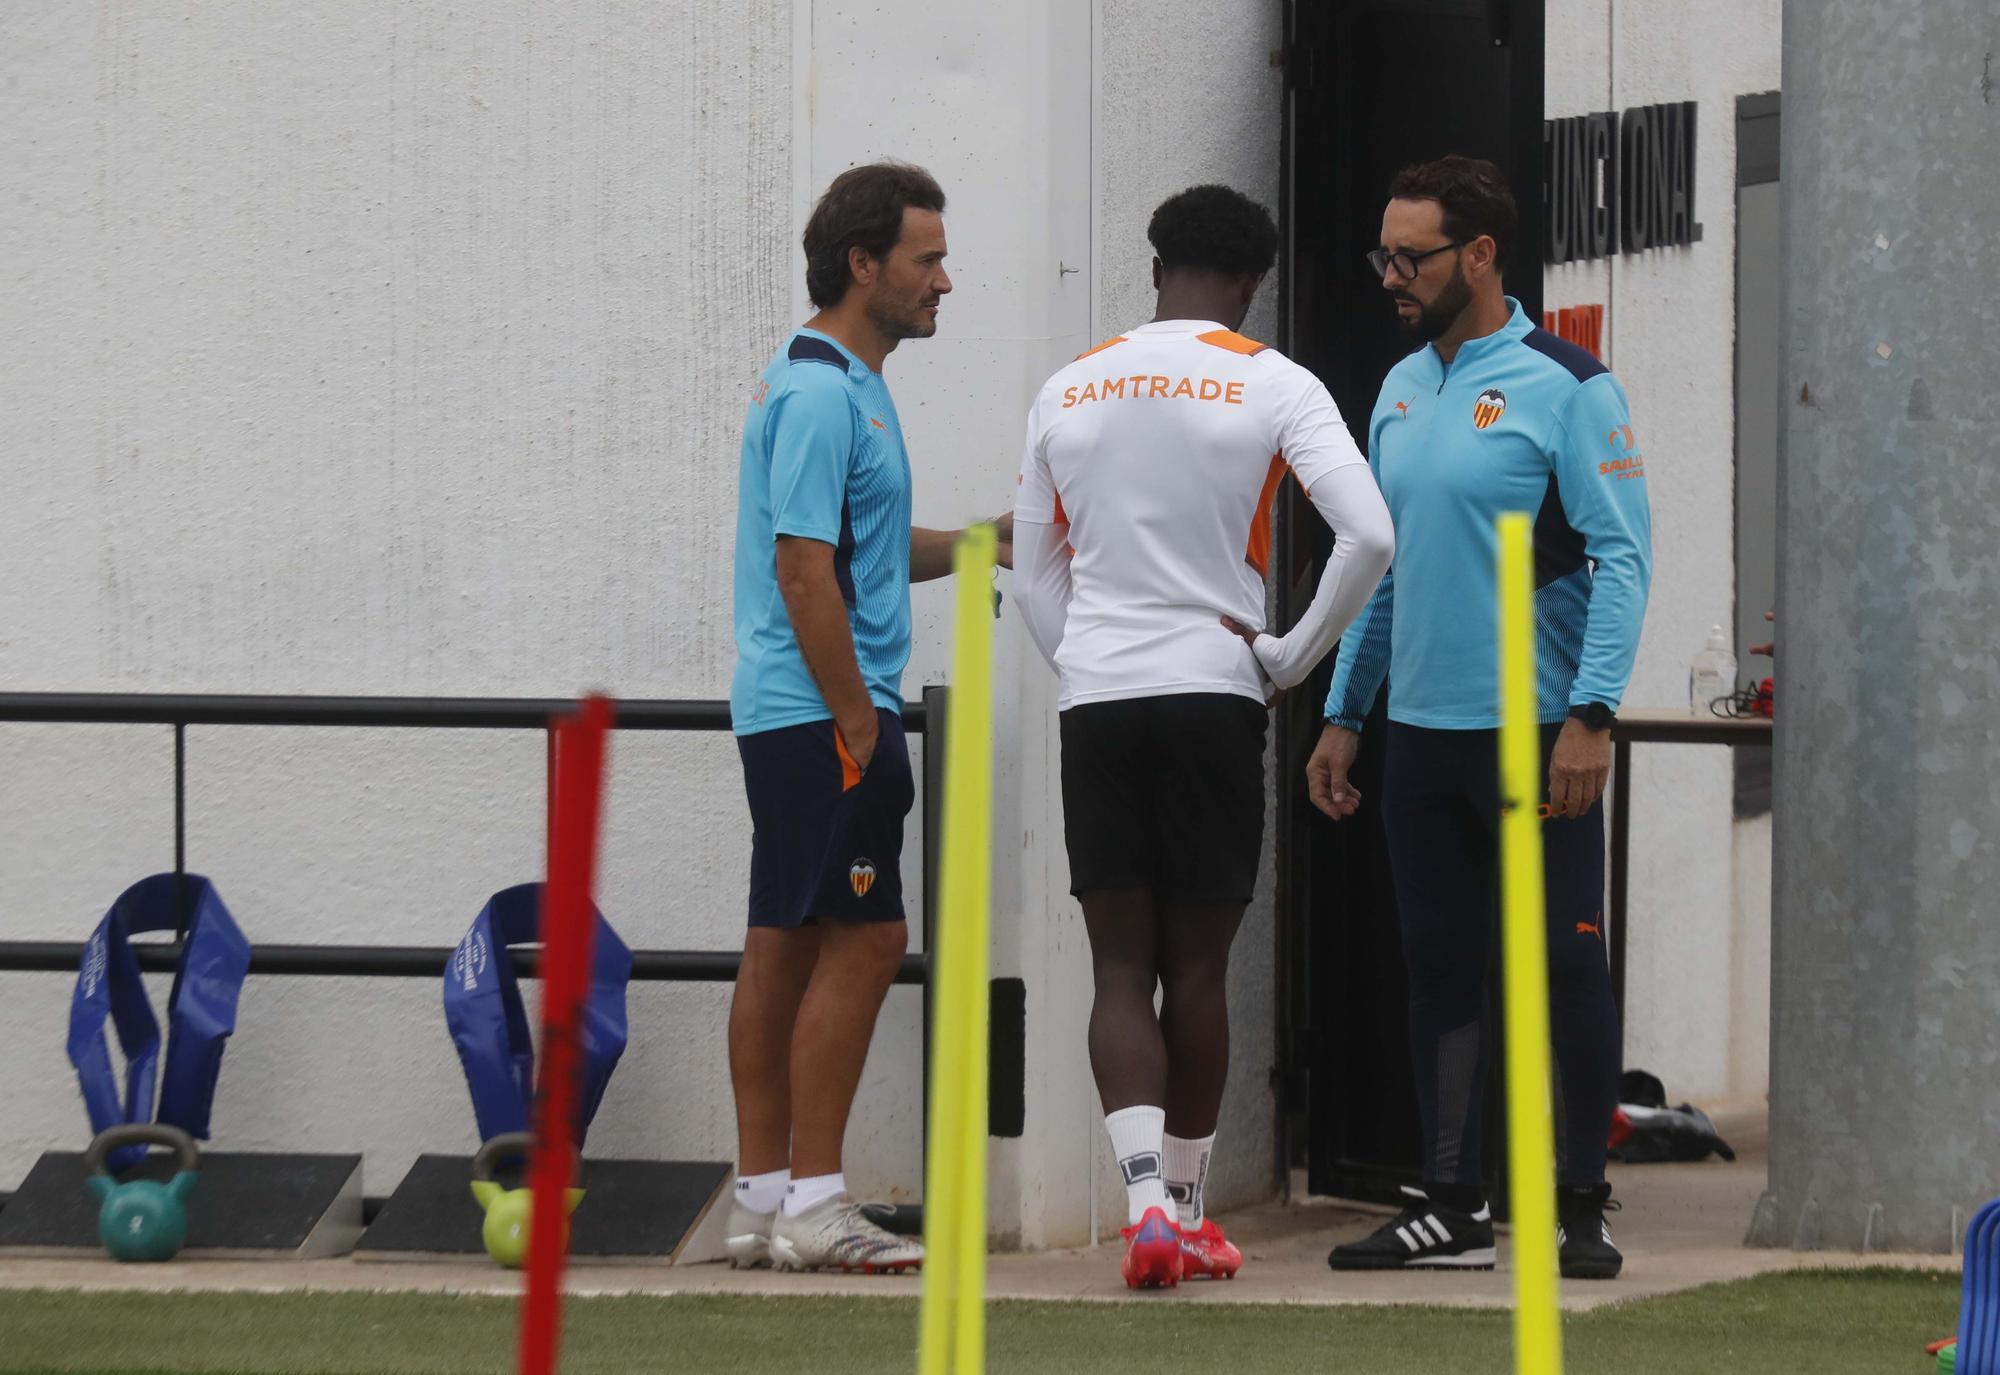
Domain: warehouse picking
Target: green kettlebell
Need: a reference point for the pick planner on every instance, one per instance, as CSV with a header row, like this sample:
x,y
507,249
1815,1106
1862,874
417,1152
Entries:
x,y
142,1219
507,1210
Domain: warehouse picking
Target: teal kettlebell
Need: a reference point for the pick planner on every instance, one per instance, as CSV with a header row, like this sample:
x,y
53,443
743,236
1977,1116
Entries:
x,y
505,1231
142,1219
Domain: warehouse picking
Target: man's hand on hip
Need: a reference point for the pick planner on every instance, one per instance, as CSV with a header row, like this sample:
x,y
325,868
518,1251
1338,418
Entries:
x,y
1326,772
1249,637
1578,768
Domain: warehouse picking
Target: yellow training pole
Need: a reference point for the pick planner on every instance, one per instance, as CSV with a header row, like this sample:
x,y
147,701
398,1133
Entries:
x,y
953,1329
1524,936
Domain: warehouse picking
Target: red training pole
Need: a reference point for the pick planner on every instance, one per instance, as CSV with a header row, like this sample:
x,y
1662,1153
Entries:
x,y
567,931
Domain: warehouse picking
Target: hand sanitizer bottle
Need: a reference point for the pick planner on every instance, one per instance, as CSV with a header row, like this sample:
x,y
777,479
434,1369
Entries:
x,y
1713,675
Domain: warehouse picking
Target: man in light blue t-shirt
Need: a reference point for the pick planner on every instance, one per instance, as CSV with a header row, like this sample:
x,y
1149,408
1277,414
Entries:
x,y
1490,415
825,554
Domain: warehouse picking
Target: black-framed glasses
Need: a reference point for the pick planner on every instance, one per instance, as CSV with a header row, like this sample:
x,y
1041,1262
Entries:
x,y
1406,263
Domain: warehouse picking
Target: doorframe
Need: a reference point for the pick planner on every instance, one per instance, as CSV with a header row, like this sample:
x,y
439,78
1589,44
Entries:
x,y
1518,24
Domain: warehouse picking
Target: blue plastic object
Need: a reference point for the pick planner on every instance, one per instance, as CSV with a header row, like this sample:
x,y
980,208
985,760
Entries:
x,y
489,1024
201,1010
1979,1299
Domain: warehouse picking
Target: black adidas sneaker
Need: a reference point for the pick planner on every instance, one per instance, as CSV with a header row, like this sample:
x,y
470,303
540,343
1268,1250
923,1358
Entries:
x,y
1424,1236
1583,1237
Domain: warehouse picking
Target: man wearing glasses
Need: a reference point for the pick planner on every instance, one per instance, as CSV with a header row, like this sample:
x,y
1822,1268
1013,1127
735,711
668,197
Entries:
x,y
1490,415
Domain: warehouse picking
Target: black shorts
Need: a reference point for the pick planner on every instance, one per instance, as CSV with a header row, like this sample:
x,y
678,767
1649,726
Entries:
x,y
827,838
1165,793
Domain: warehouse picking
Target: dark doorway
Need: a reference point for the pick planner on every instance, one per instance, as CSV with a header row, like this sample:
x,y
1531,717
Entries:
x,y
1374,84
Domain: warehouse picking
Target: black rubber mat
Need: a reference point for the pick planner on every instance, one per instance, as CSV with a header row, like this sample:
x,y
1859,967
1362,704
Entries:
x,y
642,1209
243,1202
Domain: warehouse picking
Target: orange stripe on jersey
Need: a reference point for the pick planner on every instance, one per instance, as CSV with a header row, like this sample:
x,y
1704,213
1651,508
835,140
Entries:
x,y
1258,555
1100,348
1231,340
1062,518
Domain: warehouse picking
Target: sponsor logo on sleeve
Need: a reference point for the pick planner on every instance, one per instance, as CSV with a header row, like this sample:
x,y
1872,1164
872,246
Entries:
x,y
1626,461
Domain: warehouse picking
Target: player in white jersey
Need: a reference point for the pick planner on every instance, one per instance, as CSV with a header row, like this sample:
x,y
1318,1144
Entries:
x,y
1141,542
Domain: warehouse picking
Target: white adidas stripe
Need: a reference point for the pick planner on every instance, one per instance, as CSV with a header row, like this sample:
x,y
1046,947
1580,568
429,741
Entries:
x,y
1562,1235
1438,1227
1408,1240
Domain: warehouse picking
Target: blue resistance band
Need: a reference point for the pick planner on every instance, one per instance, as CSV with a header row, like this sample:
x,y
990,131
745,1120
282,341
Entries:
x,y
482,1007
1979,1304
201,1011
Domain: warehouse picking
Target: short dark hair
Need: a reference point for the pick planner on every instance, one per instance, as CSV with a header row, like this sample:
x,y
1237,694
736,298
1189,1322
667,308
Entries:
x,y
1214,229
1473,194
862,209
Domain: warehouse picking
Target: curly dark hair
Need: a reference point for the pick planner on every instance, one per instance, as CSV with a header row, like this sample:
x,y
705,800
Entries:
x,y
862,209
1473,194
1214,229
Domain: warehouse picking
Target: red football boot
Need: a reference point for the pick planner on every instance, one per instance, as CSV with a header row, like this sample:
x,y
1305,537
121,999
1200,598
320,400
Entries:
x,y
1207,1254
1152,1252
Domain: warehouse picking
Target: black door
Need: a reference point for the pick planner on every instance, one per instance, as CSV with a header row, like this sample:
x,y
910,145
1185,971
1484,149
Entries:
x,y
1375,84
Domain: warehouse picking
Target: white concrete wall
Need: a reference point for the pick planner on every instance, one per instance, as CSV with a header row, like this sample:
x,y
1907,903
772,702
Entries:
x,y
1187,94
996,102
1057,127
402,349
392,348
1696,1013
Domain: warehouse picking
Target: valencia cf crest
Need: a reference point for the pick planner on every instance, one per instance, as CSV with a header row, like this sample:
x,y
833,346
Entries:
x,y
1491,405
861,877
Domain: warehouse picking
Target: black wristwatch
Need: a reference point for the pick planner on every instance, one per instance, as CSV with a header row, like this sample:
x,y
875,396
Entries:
x,y
1595,715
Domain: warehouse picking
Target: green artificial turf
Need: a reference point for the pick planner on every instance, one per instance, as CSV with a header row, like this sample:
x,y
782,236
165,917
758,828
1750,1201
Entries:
x,y
1827,1322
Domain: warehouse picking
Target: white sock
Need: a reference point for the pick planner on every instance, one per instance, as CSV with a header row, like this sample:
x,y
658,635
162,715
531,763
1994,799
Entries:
x,y
1187,1175
1138,1139
802,1194
762,1193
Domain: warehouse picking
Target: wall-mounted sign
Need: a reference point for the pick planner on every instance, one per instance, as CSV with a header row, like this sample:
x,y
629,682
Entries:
x,y
1619,183
1581,325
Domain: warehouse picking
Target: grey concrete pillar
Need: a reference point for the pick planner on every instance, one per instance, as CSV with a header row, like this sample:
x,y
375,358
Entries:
x,y
1885,1007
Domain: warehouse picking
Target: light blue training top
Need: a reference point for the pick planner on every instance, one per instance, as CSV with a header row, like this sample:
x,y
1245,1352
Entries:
x,y
823,458
1519,421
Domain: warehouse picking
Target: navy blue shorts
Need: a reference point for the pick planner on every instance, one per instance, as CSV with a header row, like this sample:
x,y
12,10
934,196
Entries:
x,y
827,837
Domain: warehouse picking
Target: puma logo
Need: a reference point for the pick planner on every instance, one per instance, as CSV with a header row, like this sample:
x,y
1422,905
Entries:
x,y
1584,928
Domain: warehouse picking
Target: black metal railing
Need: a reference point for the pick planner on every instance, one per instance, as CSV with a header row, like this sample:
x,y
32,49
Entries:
x,y
180,711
